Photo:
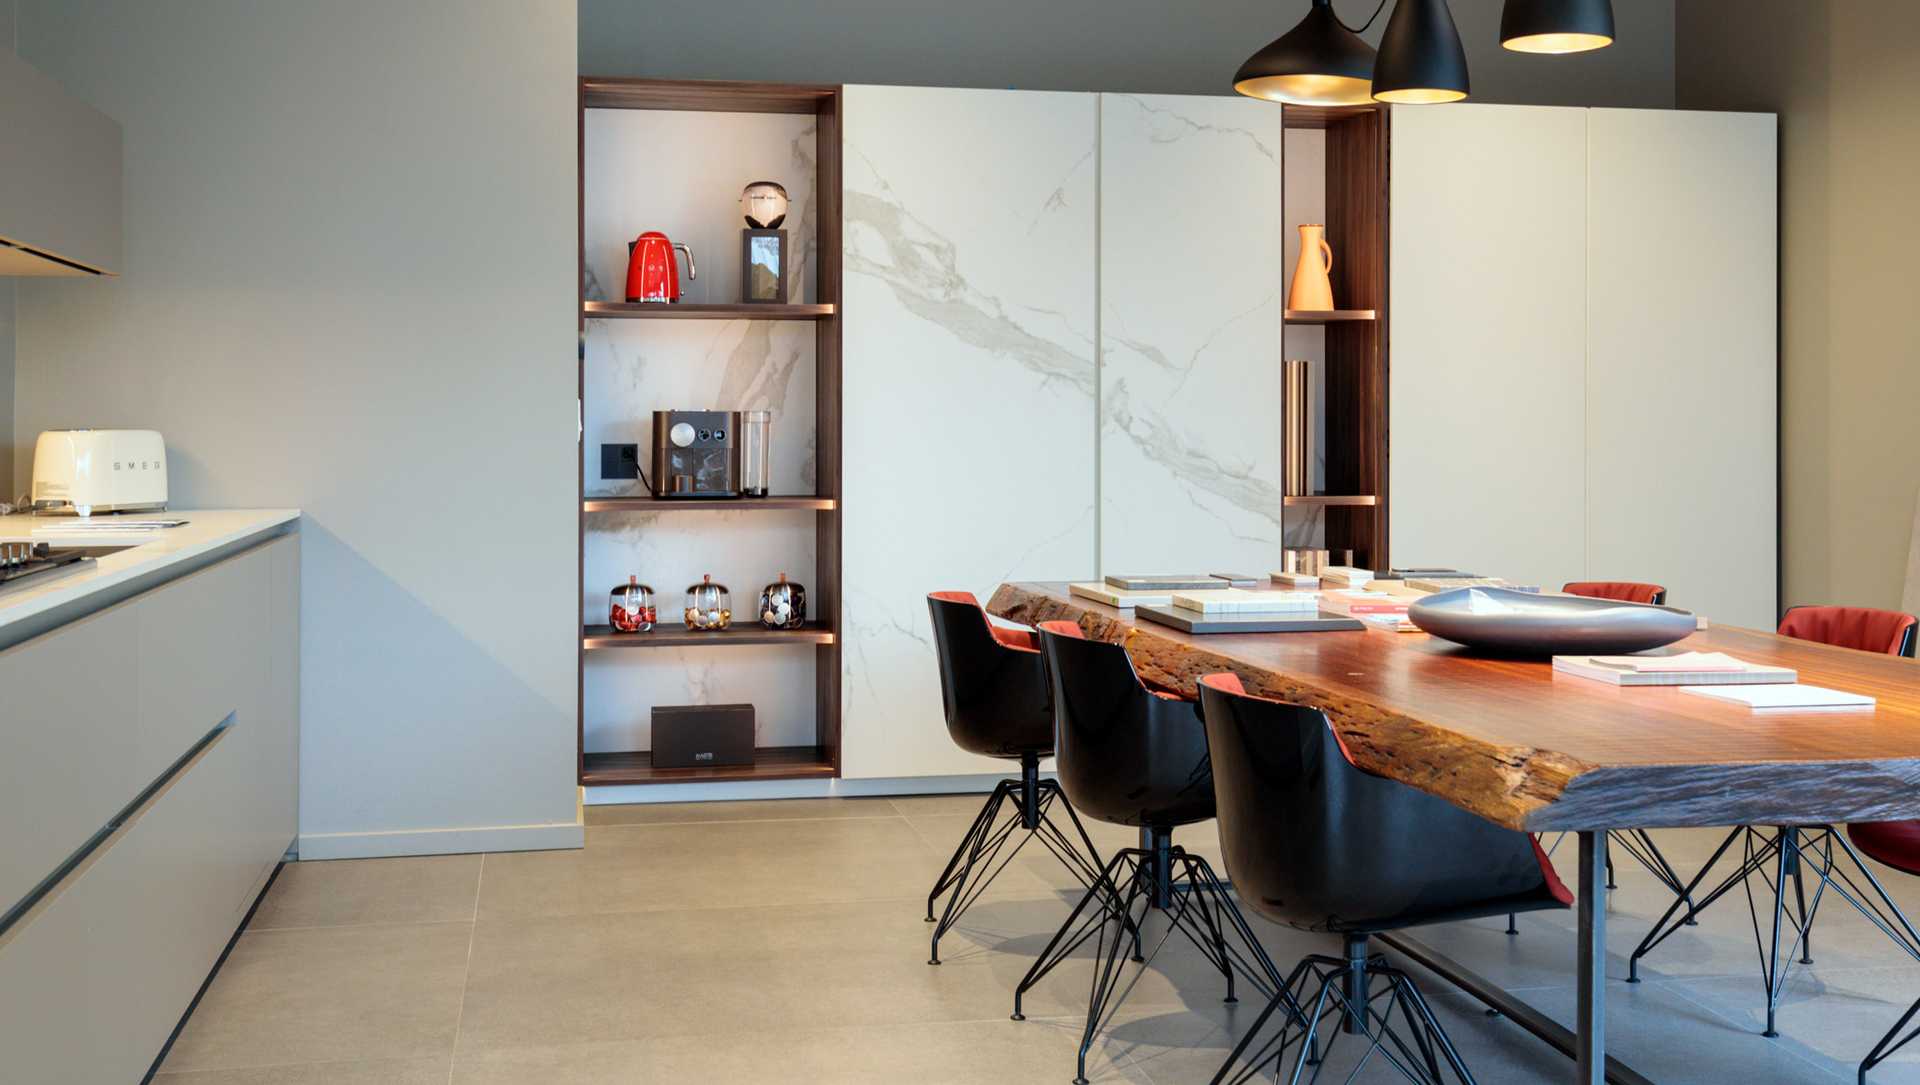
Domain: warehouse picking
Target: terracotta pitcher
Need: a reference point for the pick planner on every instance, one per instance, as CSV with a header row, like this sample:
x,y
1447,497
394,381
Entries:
x,y
1311,287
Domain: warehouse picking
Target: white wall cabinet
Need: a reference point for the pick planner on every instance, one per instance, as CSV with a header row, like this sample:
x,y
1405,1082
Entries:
x,y
1190,306
94,979
1488,340
1583,378
968,433
1682,409
1061,358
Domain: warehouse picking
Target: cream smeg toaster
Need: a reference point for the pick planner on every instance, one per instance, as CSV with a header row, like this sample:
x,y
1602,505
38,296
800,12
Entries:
x,y
84,471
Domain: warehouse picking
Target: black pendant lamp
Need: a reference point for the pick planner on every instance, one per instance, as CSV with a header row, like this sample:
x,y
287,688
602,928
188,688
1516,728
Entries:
x,y
1421,59
1556,26
1319,62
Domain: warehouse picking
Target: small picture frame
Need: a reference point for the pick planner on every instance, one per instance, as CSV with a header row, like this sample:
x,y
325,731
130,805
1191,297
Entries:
x,y
763,266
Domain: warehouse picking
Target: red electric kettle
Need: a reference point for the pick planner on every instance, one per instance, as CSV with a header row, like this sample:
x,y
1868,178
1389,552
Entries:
x,y
652,272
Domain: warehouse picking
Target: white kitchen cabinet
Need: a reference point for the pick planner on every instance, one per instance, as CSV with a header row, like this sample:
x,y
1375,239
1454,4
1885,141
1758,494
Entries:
x,y
1583,323
1190,305
970,381
1488,340
1682,412
94,978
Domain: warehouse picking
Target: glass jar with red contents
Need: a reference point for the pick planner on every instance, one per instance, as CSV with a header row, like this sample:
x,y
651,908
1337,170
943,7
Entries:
x,y
631,608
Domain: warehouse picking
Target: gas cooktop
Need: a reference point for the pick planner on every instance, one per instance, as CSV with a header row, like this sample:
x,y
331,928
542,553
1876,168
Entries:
x,y
21,562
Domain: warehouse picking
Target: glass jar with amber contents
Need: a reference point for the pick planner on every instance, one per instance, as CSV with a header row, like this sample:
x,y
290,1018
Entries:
x,y
709,605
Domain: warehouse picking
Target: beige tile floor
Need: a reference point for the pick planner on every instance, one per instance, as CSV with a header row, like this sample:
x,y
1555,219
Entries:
x,y
783,942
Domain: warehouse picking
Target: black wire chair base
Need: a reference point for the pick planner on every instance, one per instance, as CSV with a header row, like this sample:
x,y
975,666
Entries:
x,y
1197,905
1358,996
1796,854
992,842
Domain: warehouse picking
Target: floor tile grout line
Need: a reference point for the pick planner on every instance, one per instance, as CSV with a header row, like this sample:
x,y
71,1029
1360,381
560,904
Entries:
x,y
733,821
1677,988
466,974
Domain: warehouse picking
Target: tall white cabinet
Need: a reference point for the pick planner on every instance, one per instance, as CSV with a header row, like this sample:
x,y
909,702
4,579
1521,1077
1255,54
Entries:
x,y
1583,344
1191,291
1061,358
969,405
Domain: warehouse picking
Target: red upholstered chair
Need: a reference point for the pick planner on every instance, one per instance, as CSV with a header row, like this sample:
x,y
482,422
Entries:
x,y
1626,591
1894,843
1789,853
993,684
1315,842
1864,628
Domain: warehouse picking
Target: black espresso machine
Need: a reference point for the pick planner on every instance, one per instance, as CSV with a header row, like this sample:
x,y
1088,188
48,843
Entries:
x,y
696,454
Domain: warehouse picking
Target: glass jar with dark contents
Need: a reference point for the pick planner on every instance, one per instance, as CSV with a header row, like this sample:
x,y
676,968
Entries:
x,y
783,604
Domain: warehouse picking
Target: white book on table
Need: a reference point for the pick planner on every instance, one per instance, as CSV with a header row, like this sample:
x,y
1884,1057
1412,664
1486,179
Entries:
x,y
1120,597
1243,601
1785,696
1295,580
1678,669
1346,576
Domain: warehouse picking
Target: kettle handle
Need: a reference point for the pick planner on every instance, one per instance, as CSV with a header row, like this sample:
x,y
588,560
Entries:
x,y
692,272
1326,250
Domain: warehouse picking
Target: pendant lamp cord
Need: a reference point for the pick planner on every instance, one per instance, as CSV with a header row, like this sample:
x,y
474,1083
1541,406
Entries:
x,y
1363,28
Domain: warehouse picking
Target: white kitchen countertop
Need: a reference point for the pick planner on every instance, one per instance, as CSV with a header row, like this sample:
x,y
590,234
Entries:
x,y
152,551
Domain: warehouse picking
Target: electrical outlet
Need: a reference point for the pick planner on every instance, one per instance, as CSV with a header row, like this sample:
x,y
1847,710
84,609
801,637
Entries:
x,y
619,461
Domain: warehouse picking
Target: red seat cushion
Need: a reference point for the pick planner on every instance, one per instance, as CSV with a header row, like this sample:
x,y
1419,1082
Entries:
x,y
1626,591
1020,640
1864,628
1895,843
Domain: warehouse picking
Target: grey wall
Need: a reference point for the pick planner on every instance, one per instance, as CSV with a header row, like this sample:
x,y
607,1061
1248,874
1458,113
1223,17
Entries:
x,y
1088,45
6,327
349,286
1841,74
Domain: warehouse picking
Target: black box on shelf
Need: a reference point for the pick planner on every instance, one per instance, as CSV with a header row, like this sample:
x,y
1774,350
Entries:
x,y
702,736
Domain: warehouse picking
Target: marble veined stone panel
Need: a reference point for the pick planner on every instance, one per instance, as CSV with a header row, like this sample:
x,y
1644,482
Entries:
x,y
1191,292
970,383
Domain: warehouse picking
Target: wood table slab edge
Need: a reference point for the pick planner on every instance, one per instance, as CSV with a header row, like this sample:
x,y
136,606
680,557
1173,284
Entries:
x,y
1530,787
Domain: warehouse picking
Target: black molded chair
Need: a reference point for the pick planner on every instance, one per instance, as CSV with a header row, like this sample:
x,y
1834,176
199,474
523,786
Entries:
x,y
1802,853
994,687
1314,842
1131,755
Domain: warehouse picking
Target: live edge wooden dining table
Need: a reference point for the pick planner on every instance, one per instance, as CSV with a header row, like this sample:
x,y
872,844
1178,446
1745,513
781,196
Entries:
x,y
1524,747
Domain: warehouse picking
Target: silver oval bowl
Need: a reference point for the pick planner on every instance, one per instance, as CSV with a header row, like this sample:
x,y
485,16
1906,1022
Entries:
x,y
1528,623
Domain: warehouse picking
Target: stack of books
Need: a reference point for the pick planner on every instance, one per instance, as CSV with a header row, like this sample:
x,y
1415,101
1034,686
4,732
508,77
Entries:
x,y
1345,576
1306,581
1359,603
1242,601
1674,669
1120,597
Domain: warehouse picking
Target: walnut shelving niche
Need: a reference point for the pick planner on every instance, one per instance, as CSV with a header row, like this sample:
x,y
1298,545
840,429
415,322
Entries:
x,y
1355,369
822,636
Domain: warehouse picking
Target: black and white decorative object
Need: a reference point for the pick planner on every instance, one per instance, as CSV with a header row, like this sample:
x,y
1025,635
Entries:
x,y
763,245
783,604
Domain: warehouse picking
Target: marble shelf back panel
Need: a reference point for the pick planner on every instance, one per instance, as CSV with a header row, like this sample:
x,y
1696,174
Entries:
x,y
668,551
681,173
636,367
1190,299
970,383
623,687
